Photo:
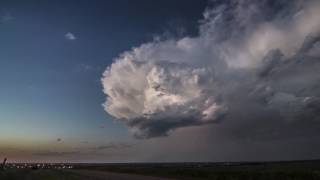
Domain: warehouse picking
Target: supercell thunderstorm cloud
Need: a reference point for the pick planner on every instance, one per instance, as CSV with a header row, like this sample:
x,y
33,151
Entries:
x,y
253,64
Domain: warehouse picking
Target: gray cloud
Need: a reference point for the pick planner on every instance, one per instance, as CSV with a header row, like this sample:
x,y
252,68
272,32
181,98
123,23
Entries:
x,y
254,65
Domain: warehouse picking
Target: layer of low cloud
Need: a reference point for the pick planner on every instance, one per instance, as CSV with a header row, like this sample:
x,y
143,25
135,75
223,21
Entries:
x,y
254,65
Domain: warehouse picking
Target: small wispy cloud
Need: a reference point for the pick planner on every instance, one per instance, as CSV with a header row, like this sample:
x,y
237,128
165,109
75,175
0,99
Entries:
x,y
84,67
6,17
70,36
113,146
54,153
85,142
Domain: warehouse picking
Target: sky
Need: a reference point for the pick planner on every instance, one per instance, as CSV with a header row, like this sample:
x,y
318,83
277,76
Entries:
x,y
169,81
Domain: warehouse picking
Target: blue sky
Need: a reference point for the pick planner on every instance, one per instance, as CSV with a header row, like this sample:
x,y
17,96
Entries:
x,y
199,81
50,84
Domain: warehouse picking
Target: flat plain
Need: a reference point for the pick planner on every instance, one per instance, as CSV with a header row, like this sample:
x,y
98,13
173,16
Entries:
x,y
294,170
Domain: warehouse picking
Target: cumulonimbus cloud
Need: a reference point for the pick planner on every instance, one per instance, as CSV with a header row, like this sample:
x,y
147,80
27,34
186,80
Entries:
x,y
263,52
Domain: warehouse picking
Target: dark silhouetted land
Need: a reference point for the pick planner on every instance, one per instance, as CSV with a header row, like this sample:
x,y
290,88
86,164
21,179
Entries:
x,y
293,170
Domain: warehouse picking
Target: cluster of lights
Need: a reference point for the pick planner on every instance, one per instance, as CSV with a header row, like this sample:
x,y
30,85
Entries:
x,y
38,166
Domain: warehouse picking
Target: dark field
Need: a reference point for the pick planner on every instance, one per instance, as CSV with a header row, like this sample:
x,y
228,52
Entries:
x,y
28,174
304,170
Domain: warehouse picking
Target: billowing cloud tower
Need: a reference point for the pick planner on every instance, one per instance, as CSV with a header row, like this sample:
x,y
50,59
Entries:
x,y
250,57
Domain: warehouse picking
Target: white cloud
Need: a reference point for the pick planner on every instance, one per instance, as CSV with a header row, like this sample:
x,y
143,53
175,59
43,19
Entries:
x,y
70,36
166,84
160,93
